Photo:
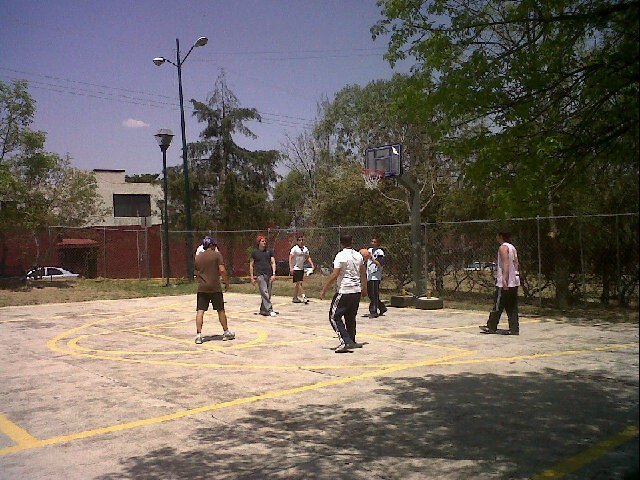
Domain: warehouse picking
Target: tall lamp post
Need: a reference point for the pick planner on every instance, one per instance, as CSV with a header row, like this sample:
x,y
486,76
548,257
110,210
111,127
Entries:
x,y
164,137
200,42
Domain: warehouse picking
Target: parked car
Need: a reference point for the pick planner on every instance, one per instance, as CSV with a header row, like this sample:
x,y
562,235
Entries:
x,y
479,266
51,273
282,268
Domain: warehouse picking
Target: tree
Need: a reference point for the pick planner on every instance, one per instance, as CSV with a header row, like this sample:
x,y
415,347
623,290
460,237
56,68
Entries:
x,y
231,184
539,91
371,116
289,200
38,188
541,97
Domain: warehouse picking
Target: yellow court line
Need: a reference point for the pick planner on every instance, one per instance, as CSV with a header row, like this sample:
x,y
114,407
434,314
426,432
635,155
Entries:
x,y
17,434
74,345
447,360
441,329
414,342
590,455
531,356
207,408
58,349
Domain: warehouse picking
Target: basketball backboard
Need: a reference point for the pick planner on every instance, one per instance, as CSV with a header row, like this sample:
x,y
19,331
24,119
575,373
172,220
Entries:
x,y
385,161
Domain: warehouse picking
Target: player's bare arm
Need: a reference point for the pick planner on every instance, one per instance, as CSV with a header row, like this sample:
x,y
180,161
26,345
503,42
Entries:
x,y
291,264
363,280
225,276
273,269
332,278
504,260
253,279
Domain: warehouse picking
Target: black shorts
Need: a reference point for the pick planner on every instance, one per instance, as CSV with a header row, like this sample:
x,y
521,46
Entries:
x,y
298,275
215,298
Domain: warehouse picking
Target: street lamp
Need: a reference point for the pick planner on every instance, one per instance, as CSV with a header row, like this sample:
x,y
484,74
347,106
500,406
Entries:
x,y
164,137
200,42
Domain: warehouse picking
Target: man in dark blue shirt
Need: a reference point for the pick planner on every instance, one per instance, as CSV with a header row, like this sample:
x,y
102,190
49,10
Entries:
x,y
262,269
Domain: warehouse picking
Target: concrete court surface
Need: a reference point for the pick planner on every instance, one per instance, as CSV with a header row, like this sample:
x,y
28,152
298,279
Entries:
x,y
119,390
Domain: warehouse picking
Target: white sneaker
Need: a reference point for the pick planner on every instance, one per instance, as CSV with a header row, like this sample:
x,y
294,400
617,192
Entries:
x,y
199,338
228,335
273,314
304,298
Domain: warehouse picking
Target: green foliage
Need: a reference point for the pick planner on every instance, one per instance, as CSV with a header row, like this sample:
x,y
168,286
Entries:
x,y
537,97
289,199
230,185
153,178
38,188
383,112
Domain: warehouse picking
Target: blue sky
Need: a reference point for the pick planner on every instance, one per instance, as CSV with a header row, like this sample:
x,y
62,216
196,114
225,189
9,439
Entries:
x,y
100,98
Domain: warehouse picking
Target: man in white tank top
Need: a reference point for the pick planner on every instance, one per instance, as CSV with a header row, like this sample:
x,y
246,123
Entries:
x,y
507,283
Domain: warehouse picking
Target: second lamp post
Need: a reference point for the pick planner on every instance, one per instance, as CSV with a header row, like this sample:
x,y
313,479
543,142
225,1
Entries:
x,y
164,137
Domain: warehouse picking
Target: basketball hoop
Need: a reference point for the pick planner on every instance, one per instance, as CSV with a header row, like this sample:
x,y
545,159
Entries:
x,y
372,178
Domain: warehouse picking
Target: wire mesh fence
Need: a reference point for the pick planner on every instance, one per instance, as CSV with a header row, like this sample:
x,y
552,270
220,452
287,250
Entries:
x,y
563,260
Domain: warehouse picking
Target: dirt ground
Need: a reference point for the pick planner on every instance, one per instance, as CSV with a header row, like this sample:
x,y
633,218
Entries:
x,y
116,389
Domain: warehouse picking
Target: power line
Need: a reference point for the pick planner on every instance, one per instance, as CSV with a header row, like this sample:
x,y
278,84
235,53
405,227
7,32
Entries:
x,y
279,119
51,77
149,102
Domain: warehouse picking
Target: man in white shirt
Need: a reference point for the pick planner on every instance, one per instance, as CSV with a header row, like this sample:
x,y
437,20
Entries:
x,y
351,283
298,255
507,283
375,264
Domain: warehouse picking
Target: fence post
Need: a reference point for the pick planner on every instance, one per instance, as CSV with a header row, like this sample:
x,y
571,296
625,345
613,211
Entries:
x,y
539,265
425,266
583,288
104,251
146,249
618,256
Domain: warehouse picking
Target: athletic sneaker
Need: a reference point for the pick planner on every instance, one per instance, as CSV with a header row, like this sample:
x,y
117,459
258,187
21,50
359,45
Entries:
x,y
228,335
296,300
354,345
486,329
304,298
273,314
199,338
342,348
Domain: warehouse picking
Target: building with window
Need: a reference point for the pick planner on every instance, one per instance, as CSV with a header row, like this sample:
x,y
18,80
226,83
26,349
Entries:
x,y
129,204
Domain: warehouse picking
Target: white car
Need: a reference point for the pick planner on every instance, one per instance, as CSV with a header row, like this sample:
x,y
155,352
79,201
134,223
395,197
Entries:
x,y
479,266
51,273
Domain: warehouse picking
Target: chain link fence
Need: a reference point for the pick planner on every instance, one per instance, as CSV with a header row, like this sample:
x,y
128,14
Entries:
x,y
563,260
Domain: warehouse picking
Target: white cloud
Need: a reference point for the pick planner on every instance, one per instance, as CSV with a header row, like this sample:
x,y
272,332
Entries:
x,y
133,123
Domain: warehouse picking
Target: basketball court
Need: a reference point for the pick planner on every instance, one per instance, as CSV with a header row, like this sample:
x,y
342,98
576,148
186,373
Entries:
x,y
119,389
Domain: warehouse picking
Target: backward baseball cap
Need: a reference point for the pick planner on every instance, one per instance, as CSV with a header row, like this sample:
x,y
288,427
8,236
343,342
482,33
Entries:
x,y
208,242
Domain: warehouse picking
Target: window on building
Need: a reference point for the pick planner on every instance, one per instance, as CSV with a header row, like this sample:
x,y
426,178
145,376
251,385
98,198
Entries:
x,y
131,205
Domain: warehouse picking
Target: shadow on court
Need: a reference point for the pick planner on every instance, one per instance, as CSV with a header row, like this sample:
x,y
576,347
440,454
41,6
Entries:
x,y
457,426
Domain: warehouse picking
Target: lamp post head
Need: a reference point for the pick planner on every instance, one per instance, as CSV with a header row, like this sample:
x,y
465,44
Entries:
x,y
159,60
201,42
164,137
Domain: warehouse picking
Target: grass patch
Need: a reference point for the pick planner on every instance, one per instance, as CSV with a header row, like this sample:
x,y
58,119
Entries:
x,y
112,289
